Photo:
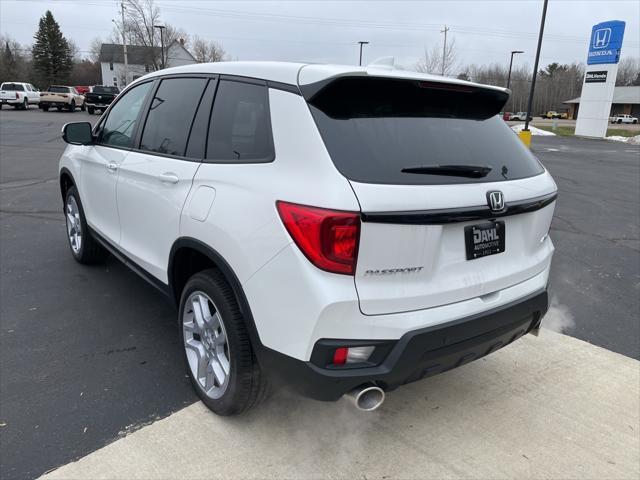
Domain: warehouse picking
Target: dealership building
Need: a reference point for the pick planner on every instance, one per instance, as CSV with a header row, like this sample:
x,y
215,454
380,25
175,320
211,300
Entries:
x,y
625,100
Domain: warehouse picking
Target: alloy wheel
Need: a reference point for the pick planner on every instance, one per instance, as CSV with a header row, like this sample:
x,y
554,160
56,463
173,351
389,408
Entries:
x,y
74,226
206,345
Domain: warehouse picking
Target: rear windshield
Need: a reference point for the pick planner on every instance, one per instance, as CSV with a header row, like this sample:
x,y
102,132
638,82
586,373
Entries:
x,y
58,89
12,87
374,128
101,89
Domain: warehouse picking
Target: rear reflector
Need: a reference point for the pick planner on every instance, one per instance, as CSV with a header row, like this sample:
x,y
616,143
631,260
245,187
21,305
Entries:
x,y
340,356
328,238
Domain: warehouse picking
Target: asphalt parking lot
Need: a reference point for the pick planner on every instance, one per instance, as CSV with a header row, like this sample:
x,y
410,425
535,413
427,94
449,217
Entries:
x,y
89,354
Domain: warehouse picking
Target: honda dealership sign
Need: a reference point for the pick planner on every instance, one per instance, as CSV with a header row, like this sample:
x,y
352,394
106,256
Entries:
x,y
605,45
606,42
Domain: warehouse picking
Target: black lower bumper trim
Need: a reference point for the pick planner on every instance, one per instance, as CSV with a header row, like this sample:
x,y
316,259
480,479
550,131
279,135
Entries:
x,y
418,354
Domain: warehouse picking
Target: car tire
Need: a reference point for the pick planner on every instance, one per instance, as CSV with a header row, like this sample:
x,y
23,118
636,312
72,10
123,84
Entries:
x,y
619,122
59,109
634,122
90,110
72,106
83,107
25,104
45,108
84,248
218,353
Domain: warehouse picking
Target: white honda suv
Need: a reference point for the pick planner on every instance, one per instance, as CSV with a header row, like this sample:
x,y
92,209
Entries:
x,y
341,229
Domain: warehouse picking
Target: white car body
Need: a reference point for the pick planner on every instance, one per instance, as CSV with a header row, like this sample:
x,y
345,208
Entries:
x,y
624,118
412,276
18,94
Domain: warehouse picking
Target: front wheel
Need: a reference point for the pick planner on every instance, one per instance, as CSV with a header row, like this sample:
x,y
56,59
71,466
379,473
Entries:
x,y
59,109
90,110
220,359
72,106
84,247
619,122
83,107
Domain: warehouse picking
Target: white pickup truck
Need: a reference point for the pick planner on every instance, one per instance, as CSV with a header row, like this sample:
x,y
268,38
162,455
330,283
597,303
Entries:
x,y
623,118
18,94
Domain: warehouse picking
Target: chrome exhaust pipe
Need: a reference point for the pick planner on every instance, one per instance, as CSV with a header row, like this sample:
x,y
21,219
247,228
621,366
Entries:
x,y
366,397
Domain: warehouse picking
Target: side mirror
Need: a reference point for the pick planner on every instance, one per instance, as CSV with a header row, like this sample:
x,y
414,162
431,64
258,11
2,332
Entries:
x,y
77,133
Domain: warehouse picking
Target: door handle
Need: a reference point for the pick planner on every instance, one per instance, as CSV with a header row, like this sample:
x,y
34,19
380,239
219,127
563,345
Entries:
x,y
168,177
112,166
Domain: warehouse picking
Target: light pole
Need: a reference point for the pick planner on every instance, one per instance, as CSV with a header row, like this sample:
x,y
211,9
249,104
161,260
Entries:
x,y
161,27
361,44
511,65
535,67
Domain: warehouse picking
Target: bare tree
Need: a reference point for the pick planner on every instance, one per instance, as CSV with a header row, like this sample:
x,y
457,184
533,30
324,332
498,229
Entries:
x,y
94,49
432,61
628,71
208,50
141,17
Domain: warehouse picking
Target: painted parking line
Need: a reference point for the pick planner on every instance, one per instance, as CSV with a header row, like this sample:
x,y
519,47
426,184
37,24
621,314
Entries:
x,y
551,406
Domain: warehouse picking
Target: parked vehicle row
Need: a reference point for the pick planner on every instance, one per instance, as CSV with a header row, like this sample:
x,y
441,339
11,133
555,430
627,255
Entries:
x,y
62,97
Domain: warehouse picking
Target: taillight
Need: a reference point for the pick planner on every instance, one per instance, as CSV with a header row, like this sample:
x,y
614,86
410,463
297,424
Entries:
x,y
328,238
17,96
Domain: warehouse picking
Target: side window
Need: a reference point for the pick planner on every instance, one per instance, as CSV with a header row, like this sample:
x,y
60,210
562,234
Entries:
x,y
119,126
171,115
198,135
240,130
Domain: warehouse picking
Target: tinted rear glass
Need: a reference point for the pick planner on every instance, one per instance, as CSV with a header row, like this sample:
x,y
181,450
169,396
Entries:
x,y
171,114
59,89
240,131
110,90
14,87
373,128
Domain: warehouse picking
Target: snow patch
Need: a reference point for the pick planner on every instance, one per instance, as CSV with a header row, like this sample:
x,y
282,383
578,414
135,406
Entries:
x,y
534,131
632,140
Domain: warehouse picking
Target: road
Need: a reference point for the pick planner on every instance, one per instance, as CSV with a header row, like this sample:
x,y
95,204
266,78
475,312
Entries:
x,y
87,354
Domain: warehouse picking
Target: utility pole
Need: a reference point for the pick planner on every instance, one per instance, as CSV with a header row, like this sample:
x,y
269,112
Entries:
x,y
361,44
511,65
535,66
124,46
444,48
161,27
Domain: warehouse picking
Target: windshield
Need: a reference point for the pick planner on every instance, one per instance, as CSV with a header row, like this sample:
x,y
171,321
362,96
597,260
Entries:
x,y
55,89
12,87
375,128
103,89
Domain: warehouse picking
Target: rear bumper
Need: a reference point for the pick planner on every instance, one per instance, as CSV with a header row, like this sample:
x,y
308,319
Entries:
x,y
416,355
98,105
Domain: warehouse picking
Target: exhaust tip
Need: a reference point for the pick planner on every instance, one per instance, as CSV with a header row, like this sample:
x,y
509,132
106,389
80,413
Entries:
x,y
367,398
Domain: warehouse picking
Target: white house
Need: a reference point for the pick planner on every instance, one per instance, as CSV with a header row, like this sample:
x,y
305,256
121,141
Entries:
x,y
139,59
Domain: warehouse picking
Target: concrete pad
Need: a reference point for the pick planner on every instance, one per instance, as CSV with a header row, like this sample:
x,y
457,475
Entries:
x,y
546,407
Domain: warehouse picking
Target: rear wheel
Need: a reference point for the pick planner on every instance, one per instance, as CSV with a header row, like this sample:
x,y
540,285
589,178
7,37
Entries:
x,y
619,122
59,109
83,107
84,247
25,104
72,106
220,360
90,110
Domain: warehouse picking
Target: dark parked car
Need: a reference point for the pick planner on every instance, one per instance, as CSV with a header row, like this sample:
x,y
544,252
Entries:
x,y
100,97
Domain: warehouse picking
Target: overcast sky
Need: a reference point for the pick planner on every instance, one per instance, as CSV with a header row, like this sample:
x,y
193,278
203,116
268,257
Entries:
x,y
327,31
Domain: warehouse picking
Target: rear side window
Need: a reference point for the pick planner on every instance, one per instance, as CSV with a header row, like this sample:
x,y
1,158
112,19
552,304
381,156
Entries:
x,y
374,128
198,135
171,115
13,87
240,130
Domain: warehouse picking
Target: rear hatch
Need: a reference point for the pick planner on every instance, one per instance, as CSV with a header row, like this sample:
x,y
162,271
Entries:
x,y
453,205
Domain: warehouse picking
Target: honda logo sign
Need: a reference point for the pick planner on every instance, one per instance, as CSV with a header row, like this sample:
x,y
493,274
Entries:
x,y
606,42
601,38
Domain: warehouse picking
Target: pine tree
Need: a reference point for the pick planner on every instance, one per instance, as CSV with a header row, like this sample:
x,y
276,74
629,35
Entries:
x,y
52,58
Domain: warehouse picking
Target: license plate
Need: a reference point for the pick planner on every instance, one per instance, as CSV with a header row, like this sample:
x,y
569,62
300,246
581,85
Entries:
x,y
484,239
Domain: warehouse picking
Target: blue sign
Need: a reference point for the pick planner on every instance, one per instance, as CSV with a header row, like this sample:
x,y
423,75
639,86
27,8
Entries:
x,y
606,42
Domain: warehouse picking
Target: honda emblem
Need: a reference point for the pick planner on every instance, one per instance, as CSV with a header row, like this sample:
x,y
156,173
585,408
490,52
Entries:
x,y
495,199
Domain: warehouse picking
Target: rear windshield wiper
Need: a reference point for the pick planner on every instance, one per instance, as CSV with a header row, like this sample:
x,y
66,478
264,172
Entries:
x,y
469,171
